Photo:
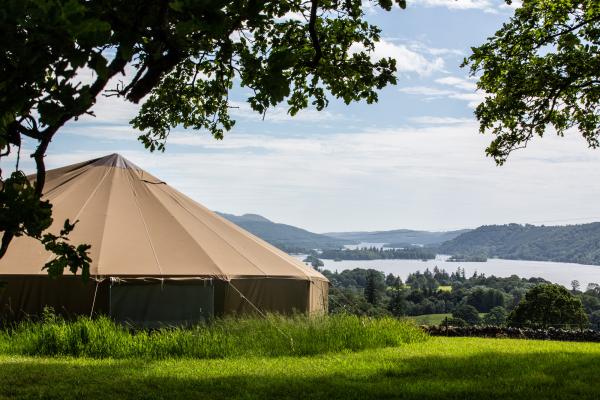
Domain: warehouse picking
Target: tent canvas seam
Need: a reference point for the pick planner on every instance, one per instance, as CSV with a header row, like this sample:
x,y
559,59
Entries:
x,y
213,231
223,274
85,204
144,222
251,237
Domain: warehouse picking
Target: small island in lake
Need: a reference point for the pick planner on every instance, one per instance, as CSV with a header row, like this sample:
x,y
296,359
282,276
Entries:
x,y
377,253
467,258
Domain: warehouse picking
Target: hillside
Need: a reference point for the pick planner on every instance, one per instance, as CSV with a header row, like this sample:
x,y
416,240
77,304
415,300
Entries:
x,y
398,236
286,237
571,243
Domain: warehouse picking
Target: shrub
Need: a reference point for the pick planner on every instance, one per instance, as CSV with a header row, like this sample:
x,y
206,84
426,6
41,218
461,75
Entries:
x,y
467,313
496,317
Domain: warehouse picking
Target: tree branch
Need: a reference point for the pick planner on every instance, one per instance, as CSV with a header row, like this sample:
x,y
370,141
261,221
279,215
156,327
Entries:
x,y
313,34
154,72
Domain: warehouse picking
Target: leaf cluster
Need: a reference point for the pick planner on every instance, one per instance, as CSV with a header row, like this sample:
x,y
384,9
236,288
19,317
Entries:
x,y
179,59
548,305
541,70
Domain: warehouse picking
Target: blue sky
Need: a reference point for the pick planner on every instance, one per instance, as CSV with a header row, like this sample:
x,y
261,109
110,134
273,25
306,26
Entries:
x,y
414,160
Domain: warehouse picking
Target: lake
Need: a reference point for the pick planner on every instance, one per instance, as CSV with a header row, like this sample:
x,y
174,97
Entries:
x,y
562,273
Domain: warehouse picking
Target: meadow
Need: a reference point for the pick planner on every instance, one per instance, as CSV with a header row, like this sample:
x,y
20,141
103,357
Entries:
x,y
437,368
271,336
433,319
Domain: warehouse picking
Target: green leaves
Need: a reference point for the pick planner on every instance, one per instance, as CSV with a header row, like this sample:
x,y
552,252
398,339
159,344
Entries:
x,y
74,258
22,212
549,305
541,71
273,57
182,58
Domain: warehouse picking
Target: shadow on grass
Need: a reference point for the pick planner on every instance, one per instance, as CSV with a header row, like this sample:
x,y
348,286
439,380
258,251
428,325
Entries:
x,y
490,375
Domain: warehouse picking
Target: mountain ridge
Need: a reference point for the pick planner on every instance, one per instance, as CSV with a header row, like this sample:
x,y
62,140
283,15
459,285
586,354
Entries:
x,y
290,238
399,236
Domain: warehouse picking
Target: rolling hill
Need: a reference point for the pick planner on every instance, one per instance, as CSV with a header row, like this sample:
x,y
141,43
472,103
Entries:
x,y
571,243
287,237
398,236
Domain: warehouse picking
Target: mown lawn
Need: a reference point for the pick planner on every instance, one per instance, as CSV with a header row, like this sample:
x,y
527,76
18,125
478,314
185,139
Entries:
x,y
439,368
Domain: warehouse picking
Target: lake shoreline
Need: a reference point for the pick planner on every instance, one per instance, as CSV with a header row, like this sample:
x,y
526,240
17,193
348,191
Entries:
x,y
556,272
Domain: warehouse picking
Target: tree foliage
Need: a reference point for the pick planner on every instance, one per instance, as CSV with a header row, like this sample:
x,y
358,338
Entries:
x,y
467,313
540,70
496,317
179,59
548,305
571,243
379,253
422,293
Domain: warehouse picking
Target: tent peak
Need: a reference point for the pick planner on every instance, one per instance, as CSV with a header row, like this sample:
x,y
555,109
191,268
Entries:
x,y
114,160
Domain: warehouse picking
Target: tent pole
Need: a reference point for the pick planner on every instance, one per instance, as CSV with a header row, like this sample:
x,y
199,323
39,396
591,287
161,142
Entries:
x,y
94,301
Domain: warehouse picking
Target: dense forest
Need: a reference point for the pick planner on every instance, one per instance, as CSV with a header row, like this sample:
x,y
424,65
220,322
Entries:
x,y
572,243
377,253
370,292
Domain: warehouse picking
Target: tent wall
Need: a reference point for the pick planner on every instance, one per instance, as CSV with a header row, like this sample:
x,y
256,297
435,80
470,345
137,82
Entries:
x,y
319,297
22,296
284,296
154,303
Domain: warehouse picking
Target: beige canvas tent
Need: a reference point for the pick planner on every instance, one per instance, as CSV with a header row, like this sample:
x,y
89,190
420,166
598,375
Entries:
x,y
158,256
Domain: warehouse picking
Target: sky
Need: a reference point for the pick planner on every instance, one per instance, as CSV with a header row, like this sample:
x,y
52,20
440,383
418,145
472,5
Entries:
x,y
414,160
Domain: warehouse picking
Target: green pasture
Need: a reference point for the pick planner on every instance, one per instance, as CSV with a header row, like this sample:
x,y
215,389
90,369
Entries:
x,y
433,319
456,368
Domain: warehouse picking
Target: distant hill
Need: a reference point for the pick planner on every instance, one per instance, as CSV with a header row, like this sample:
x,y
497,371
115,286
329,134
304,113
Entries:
x,y
398,236
571,243
287,237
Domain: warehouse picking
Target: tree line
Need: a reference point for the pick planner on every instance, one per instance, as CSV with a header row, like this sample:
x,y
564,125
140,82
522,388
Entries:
x,y
379,253
572,243
475,299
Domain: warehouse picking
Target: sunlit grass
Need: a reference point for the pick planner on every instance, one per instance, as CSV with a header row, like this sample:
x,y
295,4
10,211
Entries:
x,y
456,368
230,337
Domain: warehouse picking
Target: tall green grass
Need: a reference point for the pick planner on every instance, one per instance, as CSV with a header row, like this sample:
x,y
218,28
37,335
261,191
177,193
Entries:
x,y
223,338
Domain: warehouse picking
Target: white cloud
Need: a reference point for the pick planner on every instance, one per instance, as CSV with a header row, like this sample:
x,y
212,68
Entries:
x,y
432,177
432,120
484,5
460,89
473,99
426,91
460,83
407,60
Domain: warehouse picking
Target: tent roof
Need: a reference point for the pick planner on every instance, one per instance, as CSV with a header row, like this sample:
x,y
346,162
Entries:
x,y
140,226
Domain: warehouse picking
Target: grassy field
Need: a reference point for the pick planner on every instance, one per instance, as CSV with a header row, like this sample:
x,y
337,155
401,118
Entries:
x,y
223,338
439,368
429,319
433,319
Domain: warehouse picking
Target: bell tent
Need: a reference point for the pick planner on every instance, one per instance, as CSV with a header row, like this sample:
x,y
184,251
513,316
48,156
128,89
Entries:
x,y
158,257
